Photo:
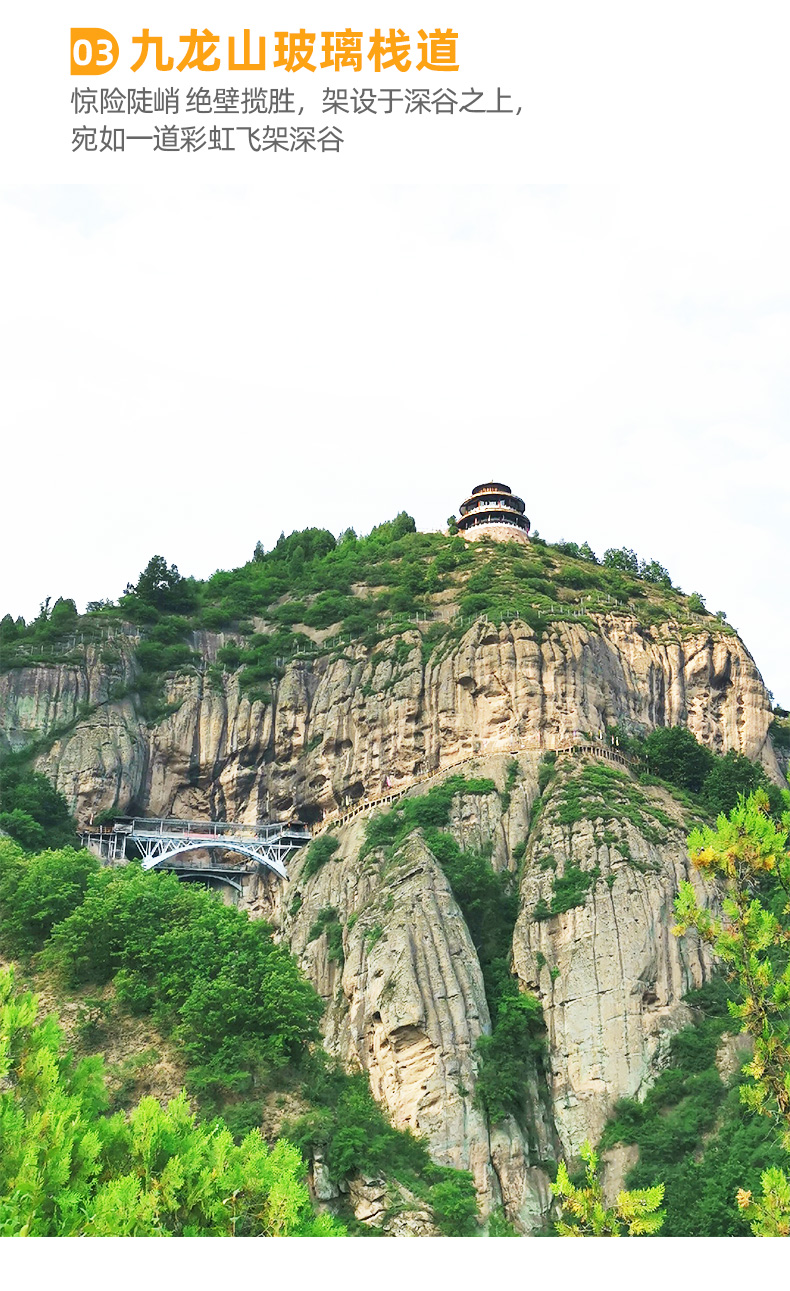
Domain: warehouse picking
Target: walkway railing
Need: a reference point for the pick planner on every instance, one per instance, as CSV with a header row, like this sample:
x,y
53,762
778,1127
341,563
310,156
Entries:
x,y
575,748
210,829
555,612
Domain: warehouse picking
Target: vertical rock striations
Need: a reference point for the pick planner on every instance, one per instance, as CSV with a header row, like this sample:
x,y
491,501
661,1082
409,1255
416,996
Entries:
x,y
609,972
338,727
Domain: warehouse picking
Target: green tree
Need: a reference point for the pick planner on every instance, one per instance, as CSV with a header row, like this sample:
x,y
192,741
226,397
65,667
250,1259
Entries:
x,y
454,1204
770,1213
233,998
63,617
747,856
37,892
21,826
27,796
160,587
653,572
10,629
622,558
676,755
67,1169
635,1214
728,778
509,1055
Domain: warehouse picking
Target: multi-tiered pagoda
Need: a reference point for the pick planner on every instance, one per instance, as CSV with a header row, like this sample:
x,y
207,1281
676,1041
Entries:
x,y
492,511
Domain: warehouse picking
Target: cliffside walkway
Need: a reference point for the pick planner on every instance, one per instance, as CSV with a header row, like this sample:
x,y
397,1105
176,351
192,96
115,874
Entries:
x,y
575,748
160,842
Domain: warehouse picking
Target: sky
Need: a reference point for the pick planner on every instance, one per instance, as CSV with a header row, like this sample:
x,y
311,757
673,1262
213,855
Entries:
x,y
189,372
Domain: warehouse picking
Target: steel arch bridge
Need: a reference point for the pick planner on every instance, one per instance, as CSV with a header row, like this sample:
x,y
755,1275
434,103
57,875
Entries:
x,y
160,842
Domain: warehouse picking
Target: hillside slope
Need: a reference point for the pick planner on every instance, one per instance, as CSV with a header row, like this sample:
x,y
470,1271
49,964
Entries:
x,y
325,675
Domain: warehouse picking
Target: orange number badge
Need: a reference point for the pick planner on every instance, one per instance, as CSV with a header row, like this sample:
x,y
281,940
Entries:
x,y
93,51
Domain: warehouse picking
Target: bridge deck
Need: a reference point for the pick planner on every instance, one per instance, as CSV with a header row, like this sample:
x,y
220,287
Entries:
x,y
213,829
160,841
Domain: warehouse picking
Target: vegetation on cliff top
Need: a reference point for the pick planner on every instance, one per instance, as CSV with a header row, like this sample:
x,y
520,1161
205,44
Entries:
x,y
364,589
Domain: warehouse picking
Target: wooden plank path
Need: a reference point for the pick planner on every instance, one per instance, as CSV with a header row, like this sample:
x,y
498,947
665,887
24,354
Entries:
x,y
574,749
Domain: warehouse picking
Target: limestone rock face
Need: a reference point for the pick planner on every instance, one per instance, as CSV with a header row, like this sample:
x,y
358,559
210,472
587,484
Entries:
x,y
337,727
609,971
408,1005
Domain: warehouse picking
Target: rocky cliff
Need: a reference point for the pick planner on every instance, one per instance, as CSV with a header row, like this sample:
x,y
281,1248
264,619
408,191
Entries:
x,y
408,1003
598,860
339,724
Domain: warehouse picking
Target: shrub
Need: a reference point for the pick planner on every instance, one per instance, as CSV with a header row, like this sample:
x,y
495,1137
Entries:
x,y
454,1204
652,572
569,889
37,892
328,922
68,1170
318,853
546,770
780,735
622,558
325,917
509,1055
693,1133
350,1129
675,754
34,811
229,655
155,658
429,811
23,829
728,777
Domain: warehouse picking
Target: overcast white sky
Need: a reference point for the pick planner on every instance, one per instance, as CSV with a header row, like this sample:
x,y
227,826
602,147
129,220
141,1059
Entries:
x,y
186,373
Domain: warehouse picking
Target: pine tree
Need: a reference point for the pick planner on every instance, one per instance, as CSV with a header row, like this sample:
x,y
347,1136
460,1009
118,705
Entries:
x,y
635,1214
67,1169
747,855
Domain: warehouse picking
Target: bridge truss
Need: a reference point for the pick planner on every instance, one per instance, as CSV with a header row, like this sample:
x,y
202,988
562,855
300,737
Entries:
x,y
160,842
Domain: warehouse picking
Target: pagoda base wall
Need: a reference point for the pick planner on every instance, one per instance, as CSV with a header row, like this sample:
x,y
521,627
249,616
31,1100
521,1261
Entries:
x,y
499,533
